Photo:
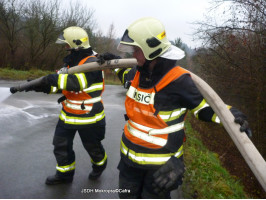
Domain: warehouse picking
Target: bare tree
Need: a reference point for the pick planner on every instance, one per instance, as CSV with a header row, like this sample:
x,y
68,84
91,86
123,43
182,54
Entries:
x,y
106,43
30,28
110,41
233,53
77,15
11,23
41,21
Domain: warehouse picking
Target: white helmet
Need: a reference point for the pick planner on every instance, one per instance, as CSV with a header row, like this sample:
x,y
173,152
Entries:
x,y
75,37
149,34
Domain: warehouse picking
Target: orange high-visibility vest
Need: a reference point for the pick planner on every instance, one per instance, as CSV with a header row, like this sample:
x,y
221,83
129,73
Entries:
x,y
143,127
79,99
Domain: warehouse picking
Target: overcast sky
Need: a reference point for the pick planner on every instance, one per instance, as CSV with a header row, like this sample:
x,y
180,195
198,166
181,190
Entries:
x,y
176,15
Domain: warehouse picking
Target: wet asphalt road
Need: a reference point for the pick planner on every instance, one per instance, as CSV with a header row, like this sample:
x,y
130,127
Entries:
x,y
27,122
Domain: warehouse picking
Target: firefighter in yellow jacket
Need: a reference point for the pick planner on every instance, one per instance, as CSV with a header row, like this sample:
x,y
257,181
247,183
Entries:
x,y
157,101
82,111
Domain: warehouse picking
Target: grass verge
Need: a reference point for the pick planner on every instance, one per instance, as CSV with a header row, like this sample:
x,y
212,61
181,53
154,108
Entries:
x,y
205,177
11,74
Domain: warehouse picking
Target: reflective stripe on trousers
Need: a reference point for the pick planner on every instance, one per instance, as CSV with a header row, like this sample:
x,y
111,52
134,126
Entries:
x,y
66,168
149,159
101,162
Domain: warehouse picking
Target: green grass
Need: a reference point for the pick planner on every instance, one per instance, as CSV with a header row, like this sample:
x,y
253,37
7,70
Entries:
x,y
112,82
11,74
205,177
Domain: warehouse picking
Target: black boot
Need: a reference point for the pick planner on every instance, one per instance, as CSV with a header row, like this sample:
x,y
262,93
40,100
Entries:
x,y
56,179
97,171
95,175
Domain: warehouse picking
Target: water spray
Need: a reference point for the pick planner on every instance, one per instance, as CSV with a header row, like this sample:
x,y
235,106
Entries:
x,y
4,91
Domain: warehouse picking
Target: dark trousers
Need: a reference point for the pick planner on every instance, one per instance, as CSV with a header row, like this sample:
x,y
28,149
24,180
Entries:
x,y
91,139
138,182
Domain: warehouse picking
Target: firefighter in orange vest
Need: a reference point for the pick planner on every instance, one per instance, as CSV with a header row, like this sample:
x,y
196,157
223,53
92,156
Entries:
x,y
82,111
157,102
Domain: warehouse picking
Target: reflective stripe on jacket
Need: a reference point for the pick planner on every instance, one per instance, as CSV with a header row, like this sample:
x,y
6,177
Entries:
x,y
81,120
148,159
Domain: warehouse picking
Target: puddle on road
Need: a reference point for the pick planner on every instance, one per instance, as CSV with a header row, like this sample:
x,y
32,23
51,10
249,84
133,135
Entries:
x,y
21,111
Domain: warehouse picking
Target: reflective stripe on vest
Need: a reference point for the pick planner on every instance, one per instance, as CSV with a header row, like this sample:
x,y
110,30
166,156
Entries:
x,y
79,120
77,107
88,101
66,168
144,136
101,162
141,97
148,136
148,159
152,131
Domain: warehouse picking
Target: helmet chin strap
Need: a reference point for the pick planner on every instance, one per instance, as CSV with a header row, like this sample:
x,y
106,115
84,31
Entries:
x,y
75,49
76,56
145,66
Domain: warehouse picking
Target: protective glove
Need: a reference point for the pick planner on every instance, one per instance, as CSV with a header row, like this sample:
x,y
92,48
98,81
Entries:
x,y
169,176
127,84
44,86
106,56
63,70
241,119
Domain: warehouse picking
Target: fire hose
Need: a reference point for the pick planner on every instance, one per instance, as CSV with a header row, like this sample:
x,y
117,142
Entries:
x,y
247,149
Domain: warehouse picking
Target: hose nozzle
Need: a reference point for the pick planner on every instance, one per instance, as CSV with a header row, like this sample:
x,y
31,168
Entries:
x,y
13,90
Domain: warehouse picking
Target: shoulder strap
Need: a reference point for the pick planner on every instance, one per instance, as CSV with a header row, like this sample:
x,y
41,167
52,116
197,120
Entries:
x,y
172,75
135,79
84,60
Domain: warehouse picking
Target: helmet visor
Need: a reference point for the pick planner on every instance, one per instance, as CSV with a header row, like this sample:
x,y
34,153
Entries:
x,y
60,39
126,38
126,43
125,48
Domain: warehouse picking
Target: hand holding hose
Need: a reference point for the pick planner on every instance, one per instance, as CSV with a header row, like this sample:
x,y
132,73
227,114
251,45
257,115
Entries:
x,y
241,119
106,56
